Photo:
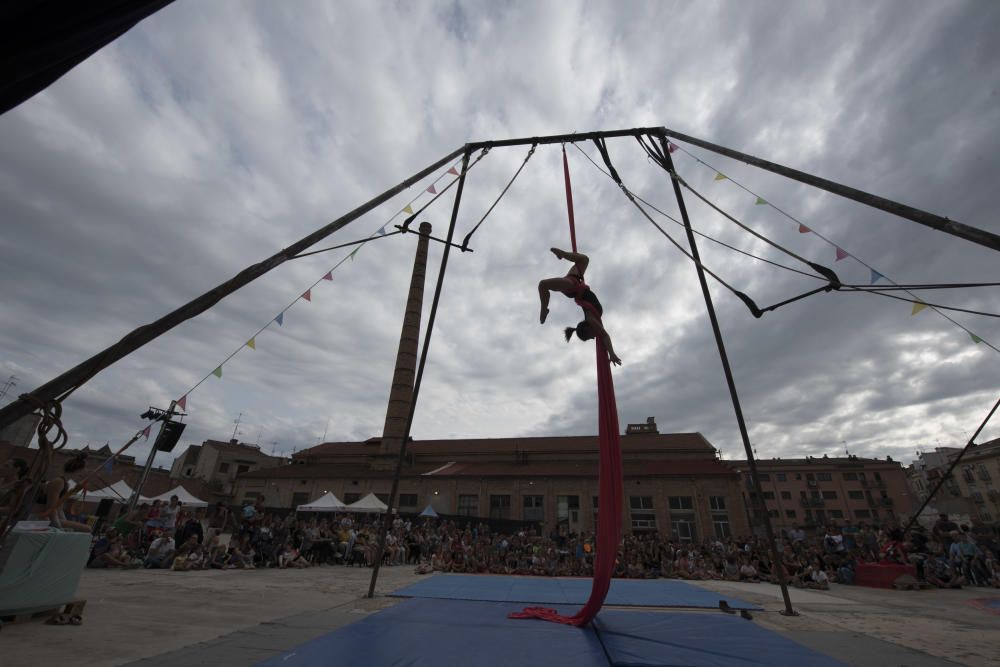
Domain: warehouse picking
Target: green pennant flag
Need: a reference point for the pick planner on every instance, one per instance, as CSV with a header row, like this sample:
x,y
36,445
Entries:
x,y
760,200
975,339
217,372
355,252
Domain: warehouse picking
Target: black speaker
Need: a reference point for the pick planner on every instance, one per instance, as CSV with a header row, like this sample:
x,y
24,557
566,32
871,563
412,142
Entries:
x,y
169,436
104,508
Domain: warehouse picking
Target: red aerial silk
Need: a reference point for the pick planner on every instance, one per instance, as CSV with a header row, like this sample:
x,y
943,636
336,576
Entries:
x,y
609,515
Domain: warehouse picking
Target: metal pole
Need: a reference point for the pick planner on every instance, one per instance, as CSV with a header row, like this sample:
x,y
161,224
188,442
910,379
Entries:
x,y
420,374
149,459
751,462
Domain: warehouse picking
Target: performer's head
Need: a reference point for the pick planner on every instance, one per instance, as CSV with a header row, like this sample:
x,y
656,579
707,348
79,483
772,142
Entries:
x,y
583,331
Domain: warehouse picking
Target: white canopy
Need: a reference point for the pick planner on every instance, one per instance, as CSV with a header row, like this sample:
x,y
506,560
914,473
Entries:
x,y
186,499
120,492
325,503
428,511
369,503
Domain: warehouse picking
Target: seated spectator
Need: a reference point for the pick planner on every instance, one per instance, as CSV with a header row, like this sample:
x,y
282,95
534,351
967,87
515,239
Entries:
x,y
113,556
160,554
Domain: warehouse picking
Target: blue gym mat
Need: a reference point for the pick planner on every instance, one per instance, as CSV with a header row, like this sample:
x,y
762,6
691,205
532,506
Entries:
x,y
565,590
442,633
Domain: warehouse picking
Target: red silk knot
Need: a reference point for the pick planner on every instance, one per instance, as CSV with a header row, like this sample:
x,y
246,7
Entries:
x,y
609,515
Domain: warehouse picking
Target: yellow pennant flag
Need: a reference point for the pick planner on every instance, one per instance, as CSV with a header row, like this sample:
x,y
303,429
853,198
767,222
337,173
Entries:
x,y
917,307
252,344
408,210
719,176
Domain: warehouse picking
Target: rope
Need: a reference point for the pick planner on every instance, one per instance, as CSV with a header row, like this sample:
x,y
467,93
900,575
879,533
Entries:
x,y
465,170
468,237
344,245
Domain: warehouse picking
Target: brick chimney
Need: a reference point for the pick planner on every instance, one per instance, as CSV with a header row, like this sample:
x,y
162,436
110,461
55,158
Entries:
x,y
401,393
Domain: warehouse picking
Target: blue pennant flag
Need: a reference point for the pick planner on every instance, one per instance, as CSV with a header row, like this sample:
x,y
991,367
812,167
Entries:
x,y
280,319
381,231
876,276
108,465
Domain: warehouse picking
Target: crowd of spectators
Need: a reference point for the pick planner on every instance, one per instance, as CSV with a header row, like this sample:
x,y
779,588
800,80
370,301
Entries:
x,y
166,535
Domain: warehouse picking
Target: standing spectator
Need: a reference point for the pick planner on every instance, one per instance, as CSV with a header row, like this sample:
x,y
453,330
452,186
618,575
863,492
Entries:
x,y
168,514
943,529
190,528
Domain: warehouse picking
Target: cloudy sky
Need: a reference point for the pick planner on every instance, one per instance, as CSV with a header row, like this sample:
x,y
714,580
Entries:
x,y
214,134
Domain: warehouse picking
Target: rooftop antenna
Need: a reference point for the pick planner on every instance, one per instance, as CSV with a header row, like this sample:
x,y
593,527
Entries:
x,y
237,427
325,429
8,385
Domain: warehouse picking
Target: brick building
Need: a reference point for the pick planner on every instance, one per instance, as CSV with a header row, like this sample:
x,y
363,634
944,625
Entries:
x,y
972,490
216,464
822,490
674,483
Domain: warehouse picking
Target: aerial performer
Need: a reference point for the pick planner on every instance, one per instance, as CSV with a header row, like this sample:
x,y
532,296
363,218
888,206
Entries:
x,y
574,287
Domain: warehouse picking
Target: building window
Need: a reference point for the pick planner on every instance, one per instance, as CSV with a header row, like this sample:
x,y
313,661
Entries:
x,y
500,507
468,504
681,503
642,514
829,495
769,495
782,477
984,474
773,514
836,514
856,495
717,503
567,509
188,472
798,476
242,469
824,477
533,509
789,514
351,498
299,498
862,514
765,477
720,524
407,500
850,476
224,468
986,516
682,528
786,495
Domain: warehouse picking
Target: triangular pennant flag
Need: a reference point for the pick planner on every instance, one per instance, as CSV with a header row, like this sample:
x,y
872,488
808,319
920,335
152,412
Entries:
x,y
671,147
408,210
182,402
760,201
917,307
430,189
328,275
841,254
307,295
453,171
280,319
252,343
876,276
217,372
354,253
719,176
146,431
381,230
803,229
975,339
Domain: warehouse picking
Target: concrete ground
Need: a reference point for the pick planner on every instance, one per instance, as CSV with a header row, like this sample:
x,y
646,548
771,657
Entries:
x,y
153,618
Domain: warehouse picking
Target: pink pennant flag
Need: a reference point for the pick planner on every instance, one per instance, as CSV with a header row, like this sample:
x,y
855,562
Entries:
x,y
671,147
307,295
329,275
430,189
841,254
146,431
182,402
803,229
453,171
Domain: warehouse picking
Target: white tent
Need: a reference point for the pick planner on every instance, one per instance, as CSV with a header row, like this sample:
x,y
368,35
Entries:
x,y
429,511
186,499
369,503
325,503
120,492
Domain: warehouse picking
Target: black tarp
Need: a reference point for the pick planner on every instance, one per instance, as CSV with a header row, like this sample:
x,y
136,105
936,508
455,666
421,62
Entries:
x,y
40,40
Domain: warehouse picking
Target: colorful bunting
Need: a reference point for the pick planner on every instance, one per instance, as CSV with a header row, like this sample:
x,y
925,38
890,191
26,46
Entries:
x,y
307,295
975,339
430,189
719,176
760,201
182,402
453,171
328,275
841,254
146,431
252,343
408,210
280,319
217,372
803,229
671,147
876,276
917,307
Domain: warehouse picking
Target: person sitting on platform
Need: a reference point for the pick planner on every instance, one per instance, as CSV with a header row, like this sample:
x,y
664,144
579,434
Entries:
x,y
573,286
14,484
51,498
